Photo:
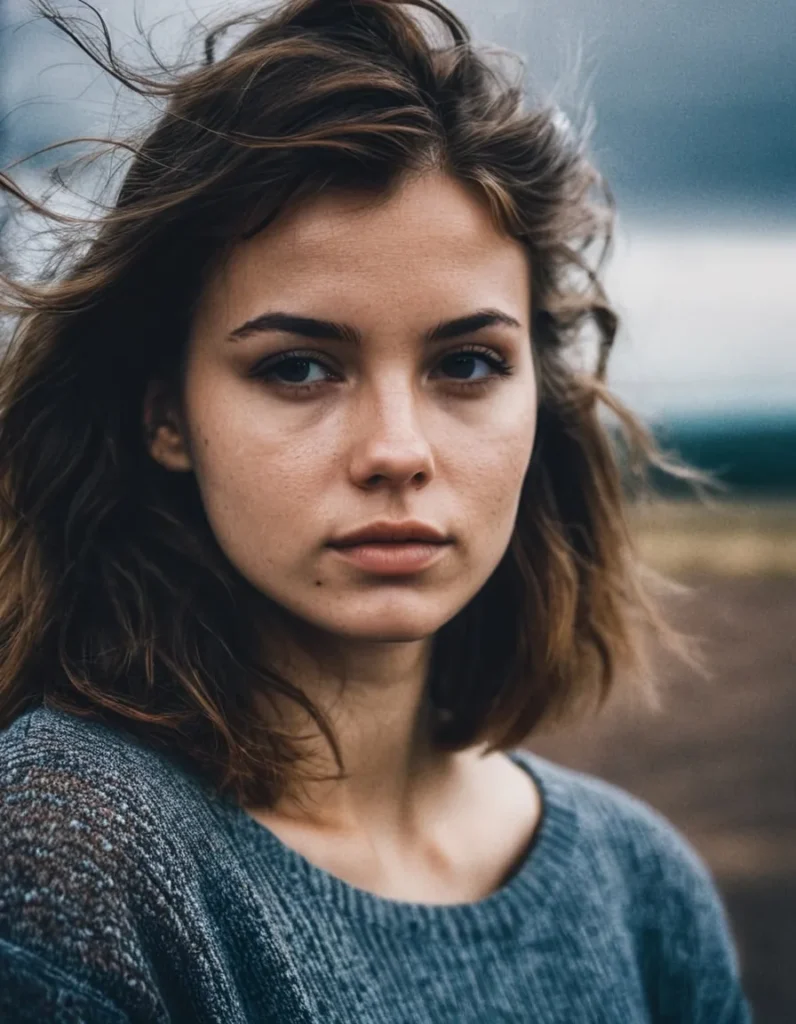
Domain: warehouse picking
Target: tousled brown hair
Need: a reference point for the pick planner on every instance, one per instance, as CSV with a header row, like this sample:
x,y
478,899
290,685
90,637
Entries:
x,y
115,600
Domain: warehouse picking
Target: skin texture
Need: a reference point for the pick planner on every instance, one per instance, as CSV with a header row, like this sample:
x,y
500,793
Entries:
x,y
391,429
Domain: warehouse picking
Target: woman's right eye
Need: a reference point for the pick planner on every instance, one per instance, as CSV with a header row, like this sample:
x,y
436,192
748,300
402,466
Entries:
x,y
293,370
289,370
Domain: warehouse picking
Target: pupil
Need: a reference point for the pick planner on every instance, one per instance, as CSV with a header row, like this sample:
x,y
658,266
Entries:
x,y
462,359
291,366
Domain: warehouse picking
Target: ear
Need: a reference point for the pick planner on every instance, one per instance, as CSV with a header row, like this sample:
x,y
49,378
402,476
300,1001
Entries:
x,y
164,428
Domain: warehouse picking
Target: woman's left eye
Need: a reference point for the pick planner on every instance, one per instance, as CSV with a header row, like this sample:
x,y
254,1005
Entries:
x,y
463,360
295,366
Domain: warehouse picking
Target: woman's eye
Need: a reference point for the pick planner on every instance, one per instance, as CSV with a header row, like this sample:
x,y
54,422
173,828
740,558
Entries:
x,y
302,372
460,365
294,369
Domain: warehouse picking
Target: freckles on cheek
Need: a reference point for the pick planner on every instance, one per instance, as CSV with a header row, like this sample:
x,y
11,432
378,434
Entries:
x,y
250,467
496,464
493,477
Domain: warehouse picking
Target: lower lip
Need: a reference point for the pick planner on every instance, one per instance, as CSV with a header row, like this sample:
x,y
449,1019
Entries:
x,y
392,559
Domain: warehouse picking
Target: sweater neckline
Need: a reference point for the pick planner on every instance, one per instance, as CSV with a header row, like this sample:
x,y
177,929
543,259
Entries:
x,y
527,893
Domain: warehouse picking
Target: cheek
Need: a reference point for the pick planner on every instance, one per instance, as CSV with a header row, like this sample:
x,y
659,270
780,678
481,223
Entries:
x,y
487,485
495,459
494,486
253,476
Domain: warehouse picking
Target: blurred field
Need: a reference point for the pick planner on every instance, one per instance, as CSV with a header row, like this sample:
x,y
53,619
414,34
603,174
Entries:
x,y
729,538
719,758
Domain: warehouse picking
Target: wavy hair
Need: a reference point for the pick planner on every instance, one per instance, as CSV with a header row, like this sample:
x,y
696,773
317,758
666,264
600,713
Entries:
x,y
115,600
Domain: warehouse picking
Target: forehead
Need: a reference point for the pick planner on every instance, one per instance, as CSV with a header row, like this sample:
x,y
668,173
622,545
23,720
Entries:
x,y
432,235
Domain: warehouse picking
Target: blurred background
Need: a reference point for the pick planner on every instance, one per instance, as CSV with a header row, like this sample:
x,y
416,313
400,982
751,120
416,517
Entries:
x,y
694,125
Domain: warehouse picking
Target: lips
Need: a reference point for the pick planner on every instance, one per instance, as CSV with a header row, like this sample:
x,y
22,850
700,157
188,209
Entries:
x,y
388,532
392,559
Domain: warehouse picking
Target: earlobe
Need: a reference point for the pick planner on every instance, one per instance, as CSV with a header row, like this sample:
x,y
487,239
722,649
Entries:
x,y
164,430
168,448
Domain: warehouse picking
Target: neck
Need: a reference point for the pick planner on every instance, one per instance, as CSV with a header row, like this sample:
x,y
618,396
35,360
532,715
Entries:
x,y
375,696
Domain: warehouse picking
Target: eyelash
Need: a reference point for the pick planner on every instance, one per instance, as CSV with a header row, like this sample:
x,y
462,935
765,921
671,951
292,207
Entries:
x,y
498,364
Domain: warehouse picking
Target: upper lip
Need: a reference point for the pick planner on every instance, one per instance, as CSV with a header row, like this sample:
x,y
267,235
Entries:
x,y
386,530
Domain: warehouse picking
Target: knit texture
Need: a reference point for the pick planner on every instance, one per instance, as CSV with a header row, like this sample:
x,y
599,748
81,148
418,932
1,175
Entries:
x,y
129,893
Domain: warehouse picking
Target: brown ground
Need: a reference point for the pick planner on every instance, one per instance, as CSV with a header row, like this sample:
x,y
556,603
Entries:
x,y
719,761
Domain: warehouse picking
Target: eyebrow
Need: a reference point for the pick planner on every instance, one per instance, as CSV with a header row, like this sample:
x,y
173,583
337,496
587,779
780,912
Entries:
x,y
310,327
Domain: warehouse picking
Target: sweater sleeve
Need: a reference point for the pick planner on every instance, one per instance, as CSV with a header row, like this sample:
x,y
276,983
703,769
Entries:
x,y
73,880
105,849
705,968
32,991
685,947
692,962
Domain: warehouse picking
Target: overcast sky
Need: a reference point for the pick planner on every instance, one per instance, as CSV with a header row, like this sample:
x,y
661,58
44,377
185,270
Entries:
x,y
693,98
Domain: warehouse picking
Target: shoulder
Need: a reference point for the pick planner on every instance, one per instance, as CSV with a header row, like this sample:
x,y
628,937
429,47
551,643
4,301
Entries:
x,y
48,739
618,829
83,786
47,754
635,861
97,787
92,860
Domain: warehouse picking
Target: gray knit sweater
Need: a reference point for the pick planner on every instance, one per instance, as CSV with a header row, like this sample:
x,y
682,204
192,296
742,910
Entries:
x,y
128,893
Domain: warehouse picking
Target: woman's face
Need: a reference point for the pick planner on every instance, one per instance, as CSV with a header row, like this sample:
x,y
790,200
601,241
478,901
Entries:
x,y
377,423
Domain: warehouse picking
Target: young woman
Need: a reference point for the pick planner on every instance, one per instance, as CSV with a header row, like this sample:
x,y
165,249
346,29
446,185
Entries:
x,y
308,520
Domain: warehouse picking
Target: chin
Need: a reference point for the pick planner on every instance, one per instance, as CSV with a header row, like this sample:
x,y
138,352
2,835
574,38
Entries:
x,y
383,628
393,621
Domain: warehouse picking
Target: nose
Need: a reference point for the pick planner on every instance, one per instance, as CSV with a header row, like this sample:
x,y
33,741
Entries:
x,y
390,442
